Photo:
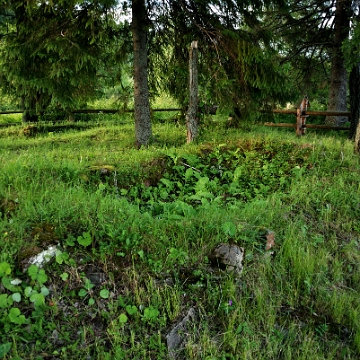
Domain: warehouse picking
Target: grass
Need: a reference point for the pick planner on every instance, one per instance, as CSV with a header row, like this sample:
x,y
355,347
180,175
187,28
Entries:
x,y
135,229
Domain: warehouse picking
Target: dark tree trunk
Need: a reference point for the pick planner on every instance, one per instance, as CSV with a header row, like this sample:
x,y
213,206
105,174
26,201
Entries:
x,y
29,110
192,116
354,89
338,80
141,91
22,106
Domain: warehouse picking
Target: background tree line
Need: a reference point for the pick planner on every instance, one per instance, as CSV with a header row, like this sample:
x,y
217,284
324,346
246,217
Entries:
x,y
60,54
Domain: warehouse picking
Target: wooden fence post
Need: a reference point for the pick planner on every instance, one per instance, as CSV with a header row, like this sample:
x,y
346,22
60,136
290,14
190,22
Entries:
x,y
301,116
191,116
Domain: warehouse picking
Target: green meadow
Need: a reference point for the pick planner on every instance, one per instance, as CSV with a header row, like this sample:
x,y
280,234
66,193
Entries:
x,y
132,233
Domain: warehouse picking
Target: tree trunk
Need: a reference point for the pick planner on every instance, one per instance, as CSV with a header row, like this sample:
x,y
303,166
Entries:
x,y
354,89
143,130
191,116
29,109
338,80
357,140
22,106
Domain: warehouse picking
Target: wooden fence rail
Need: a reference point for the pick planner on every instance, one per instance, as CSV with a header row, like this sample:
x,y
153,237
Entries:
x,y
302,113
308,112
313,126
93,111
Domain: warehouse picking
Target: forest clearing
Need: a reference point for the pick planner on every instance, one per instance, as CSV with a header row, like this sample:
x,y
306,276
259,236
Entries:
x,y
146,212
131,236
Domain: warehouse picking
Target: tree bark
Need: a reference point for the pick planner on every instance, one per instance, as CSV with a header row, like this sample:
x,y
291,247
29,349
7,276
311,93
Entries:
x,y
354,89
143,131
191,116
338,81
357,140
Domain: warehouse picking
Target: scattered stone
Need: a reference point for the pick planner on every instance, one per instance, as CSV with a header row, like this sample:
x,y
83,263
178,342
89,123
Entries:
x,y
177,337
55,338
164,279
96,276
228,257
40,259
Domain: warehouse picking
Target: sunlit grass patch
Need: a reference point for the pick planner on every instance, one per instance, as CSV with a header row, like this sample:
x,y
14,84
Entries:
x,y
135,229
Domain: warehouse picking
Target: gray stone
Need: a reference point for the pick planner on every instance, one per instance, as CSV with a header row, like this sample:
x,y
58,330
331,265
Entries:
x,y
229,257
176,339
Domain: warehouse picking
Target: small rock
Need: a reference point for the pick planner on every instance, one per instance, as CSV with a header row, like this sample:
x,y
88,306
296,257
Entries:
x,y
55,338
177,337
229,257
41,258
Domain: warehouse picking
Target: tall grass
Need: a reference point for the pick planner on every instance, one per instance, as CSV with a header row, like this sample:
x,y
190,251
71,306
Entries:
x,y
298,300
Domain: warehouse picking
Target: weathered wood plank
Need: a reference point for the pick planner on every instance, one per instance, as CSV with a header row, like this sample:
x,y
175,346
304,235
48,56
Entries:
x,y
311,112
313,126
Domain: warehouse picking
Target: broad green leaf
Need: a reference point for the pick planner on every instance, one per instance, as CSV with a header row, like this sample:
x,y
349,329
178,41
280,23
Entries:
x,y
104,293
123,318
169,184
151,313
42,277
29,291
163,194
64,276
45,291
16,317
82,292
188,174
5,269
33,271
37,299
70,241
37,274
237,173
88,284
4,349
201,185
84,240
91,301
5,301
61,256
8,285
131,309
16,297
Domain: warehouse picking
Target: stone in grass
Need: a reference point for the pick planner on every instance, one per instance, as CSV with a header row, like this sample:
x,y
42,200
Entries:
x,y
176,339
39,259
96,276
102,169
228,257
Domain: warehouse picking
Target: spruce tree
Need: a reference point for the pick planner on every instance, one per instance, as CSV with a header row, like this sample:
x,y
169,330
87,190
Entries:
x,y
51,52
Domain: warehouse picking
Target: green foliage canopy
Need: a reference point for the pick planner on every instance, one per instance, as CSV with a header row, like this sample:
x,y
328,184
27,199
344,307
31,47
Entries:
x,y
50,51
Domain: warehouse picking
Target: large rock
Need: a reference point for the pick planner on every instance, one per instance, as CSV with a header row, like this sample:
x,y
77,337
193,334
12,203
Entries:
x,y
228,257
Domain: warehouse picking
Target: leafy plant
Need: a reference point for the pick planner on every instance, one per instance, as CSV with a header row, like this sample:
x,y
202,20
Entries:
x,y
85,239
37,274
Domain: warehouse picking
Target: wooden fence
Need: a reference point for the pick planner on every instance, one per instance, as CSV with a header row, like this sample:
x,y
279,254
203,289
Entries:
x,y
302,113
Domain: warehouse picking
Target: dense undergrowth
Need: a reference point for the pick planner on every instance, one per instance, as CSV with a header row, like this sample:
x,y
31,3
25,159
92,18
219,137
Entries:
x,y
132,232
